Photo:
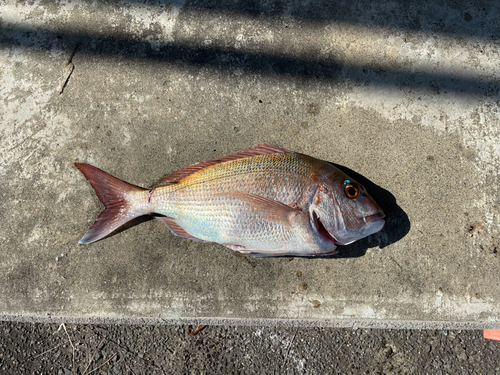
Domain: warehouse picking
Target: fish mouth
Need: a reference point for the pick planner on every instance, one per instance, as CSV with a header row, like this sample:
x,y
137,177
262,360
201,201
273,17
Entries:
x,y
370,219
322,230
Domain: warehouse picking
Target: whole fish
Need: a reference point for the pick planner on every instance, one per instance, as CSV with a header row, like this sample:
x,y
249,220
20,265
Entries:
x,y
266,201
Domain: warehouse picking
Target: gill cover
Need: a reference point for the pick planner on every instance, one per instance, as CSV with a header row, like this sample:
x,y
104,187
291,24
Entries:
x,y
342,210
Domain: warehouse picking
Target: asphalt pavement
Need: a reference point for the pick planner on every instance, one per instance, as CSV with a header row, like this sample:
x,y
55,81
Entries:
x,y
27,348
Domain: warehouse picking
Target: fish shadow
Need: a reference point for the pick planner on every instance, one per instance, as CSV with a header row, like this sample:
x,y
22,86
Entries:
x,y
129,224
397,223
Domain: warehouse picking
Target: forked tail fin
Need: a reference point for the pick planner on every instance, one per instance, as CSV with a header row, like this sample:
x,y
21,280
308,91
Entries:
x,y
115,195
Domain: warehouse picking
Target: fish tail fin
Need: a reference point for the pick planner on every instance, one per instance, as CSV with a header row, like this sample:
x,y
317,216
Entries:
x,y
116,196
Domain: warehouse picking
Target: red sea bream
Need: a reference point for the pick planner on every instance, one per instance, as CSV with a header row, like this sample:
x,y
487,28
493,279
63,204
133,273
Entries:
x,y
266,201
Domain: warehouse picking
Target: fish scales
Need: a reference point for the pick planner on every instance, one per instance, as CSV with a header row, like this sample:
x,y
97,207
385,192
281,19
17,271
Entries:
x,y
282,179
265,201
201,203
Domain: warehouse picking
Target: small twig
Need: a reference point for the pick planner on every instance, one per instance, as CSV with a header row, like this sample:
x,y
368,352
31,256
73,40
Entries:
x,y
288,350
397,264
69,69
195,332
91,359
343,342
67,74
97,368
133,373
38,355
69,338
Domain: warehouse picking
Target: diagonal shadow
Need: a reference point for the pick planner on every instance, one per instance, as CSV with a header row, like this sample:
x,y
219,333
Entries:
x,y
478,19
328,69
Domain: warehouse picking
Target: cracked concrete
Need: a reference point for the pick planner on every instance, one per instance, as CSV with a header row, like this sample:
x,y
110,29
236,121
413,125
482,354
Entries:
x,y
404,96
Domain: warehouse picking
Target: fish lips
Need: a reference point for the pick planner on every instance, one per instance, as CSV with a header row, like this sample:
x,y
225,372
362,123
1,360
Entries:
x,y
374,223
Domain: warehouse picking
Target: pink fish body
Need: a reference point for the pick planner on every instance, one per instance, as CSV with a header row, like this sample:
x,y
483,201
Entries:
x,y
266,201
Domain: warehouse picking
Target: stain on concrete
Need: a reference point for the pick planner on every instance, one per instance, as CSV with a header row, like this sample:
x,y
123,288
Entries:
x,y
313,109
476,229
315,303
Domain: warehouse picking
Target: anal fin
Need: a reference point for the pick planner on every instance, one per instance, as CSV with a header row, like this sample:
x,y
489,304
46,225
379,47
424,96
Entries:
x,y
177,229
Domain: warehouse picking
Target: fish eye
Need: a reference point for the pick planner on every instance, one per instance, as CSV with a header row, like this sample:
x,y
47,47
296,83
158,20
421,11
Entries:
x,y
350,190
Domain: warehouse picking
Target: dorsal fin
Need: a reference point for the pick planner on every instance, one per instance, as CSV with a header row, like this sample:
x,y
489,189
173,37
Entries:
x,y
186,171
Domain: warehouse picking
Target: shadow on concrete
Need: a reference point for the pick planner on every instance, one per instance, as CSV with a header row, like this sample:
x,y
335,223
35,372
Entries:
x,y
397,224
463,18
413,16
476,19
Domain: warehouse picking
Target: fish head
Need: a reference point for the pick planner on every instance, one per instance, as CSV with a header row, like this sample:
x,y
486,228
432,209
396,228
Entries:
x,y
342,211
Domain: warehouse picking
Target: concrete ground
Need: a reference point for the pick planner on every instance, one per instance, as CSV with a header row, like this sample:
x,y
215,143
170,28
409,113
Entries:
x,y
403,95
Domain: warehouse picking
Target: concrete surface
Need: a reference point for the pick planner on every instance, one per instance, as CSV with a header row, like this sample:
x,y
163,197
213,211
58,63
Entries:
x,y
405,94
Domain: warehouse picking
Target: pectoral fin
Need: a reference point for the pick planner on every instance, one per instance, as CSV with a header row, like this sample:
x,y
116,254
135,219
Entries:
x,y
268,209
271,211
